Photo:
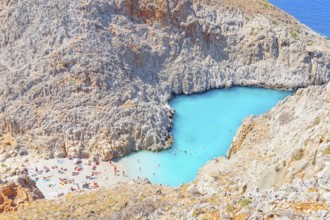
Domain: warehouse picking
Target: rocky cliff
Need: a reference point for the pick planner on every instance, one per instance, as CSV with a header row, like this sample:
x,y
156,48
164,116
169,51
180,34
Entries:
x,y
18,194
279,168
96,76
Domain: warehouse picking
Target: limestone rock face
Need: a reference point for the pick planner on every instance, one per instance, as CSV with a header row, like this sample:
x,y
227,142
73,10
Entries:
x,y
96,76
289,142
18,193
278,168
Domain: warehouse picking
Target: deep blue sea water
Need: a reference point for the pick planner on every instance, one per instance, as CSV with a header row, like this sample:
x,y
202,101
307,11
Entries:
x,y
313,13
204,126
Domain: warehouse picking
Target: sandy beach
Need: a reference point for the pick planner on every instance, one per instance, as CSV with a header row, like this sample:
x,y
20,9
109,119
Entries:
x,y
57,177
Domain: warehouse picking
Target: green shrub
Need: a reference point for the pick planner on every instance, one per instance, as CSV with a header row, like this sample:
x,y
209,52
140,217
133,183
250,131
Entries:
x,y
197,212
230,208
264,3
310,43
314,158
294,35
275,22
277,168
326,151
244,188
244,202
316,121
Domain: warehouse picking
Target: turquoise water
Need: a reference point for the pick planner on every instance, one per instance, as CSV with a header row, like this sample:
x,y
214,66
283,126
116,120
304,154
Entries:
x,y
313,13
204,126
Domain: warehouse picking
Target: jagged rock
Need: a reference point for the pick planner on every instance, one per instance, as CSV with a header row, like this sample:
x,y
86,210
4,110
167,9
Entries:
x,y
324,178
18,193
269,144
96,76
193,189
78,76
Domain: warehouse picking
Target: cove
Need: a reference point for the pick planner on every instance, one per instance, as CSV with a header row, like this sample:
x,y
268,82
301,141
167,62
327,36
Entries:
x,y
204,126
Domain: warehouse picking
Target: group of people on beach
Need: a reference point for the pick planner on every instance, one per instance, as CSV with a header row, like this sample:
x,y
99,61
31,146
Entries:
x,y
72,176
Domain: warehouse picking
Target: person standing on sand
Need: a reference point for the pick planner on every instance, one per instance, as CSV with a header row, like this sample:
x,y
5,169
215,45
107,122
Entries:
x,y
115,170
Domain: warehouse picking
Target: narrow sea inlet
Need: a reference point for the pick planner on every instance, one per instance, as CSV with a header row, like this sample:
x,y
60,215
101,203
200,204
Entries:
x,y
204,126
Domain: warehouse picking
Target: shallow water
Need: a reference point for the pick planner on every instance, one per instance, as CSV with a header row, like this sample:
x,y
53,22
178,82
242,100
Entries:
x,y
313,13
204,126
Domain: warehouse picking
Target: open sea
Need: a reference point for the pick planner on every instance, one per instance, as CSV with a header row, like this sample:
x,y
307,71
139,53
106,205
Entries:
x,y
313,13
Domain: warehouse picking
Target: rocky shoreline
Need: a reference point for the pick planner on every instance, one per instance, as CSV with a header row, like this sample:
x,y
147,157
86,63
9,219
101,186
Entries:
x,y
257,181
96,76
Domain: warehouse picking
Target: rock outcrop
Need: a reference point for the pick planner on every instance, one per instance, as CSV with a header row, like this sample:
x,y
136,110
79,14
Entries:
x,y
292,141
96,76
17,194
278,168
